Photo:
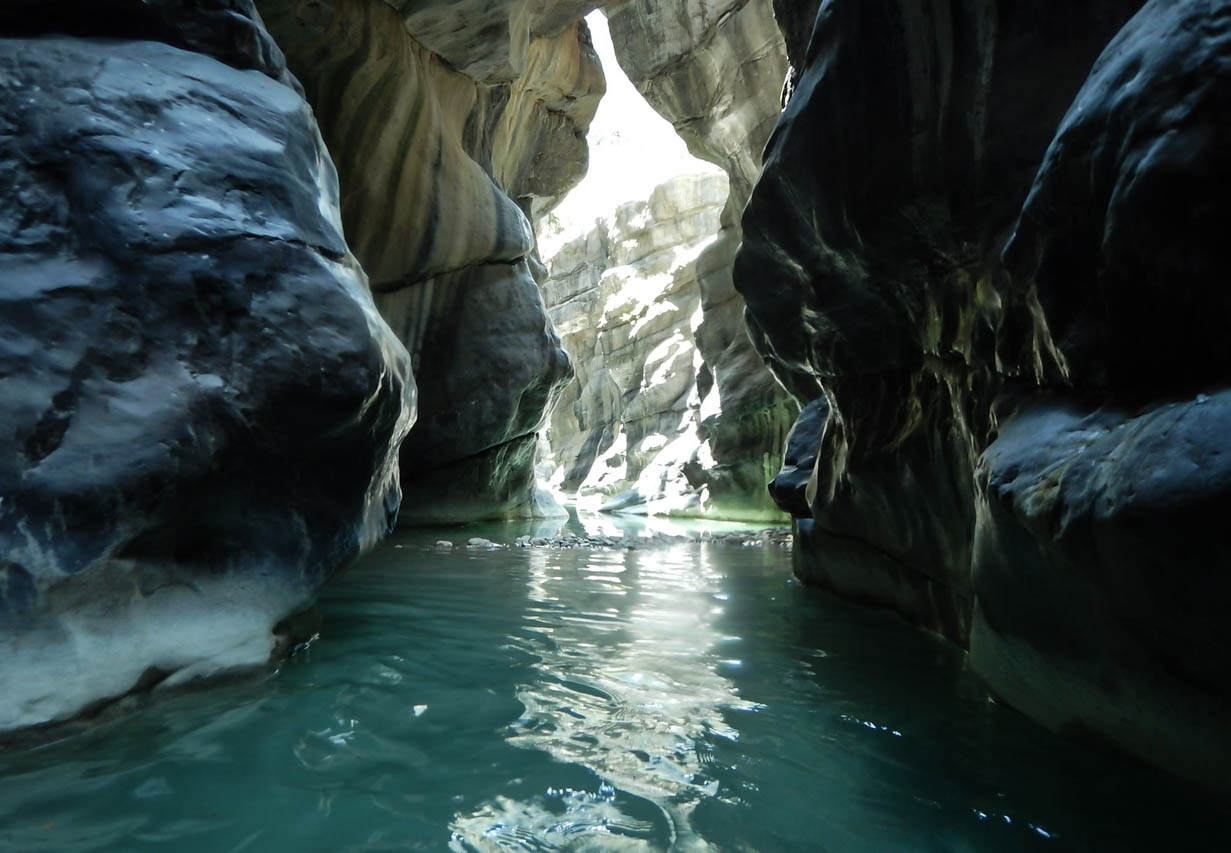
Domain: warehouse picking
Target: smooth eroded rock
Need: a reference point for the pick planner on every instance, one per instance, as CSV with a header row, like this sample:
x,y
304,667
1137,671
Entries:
x,y
1006,283
201,407
448,130
1102,574
714,69
870,261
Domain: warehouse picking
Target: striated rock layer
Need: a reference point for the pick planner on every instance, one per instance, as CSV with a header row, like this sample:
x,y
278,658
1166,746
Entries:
x,y
714,69
200,408
450,125
630,433
1005,286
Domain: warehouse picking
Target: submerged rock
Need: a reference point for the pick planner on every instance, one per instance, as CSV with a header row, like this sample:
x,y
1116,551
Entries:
x,y
201,407
1005,285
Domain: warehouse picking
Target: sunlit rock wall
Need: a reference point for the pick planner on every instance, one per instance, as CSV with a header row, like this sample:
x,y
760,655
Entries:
x,y
629,433
449,125
1003,273
715,70
200,407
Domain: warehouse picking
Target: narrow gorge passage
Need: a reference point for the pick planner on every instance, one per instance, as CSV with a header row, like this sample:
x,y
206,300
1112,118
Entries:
x,y
638,286
650,424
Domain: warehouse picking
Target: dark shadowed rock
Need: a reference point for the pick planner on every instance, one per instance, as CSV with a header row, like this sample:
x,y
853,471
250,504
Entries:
x,y
1100,551
795,19
1019,450
789,488
870,256
228,30
201,408
1122,241
489,365
1100,568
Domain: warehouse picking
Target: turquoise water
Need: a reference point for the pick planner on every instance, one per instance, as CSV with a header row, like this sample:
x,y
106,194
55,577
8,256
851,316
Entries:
x,y
692,698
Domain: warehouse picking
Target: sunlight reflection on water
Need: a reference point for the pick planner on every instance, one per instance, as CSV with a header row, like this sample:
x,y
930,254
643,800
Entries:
x,y
692,697
638,720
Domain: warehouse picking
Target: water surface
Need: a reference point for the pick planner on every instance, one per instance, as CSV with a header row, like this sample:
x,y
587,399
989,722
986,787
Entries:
x,y
691,698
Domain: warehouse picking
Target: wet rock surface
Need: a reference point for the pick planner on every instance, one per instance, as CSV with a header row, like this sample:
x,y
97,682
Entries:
x,y
790,487
986,276
201,407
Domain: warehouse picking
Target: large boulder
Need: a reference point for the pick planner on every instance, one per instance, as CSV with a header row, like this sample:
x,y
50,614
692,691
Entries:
x,y
201,407
1100,561
1007,286
1101,574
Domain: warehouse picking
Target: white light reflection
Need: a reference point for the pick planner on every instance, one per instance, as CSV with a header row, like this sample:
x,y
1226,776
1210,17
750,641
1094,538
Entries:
x,y
628,687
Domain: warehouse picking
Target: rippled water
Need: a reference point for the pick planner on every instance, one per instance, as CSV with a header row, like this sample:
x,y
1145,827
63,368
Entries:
x,y
688,698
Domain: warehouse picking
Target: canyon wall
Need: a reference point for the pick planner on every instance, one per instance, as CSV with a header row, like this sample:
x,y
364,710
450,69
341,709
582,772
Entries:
x,y
200,408
983,252
630,435
450,125
452,128
714,69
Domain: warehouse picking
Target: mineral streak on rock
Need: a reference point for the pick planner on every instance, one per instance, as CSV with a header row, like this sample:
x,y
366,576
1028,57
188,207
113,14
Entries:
x,y
1007,285
200,406
449,125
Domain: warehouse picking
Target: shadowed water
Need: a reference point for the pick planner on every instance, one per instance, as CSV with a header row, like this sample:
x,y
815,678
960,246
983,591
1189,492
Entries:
x,y
691,698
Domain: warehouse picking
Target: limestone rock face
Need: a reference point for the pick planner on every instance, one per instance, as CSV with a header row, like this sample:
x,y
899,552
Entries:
x,y
1006,286
714,69
200,408
630,433
450,124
